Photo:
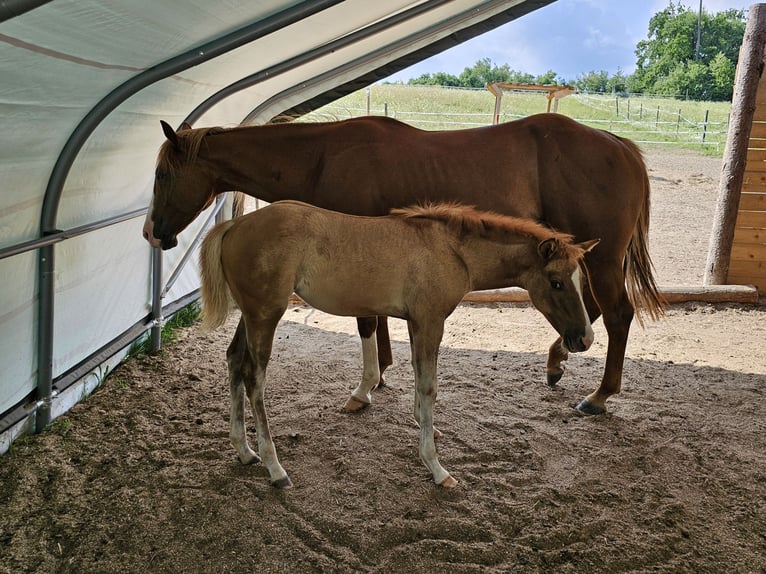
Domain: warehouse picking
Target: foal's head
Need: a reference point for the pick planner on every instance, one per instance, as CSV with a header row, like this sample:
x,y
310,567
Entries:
x,y
183,187
555,289
554,277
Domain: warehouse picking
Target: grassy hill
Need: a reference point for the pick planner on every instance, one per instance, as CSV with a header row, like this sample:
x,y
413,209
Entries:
x,y
648,120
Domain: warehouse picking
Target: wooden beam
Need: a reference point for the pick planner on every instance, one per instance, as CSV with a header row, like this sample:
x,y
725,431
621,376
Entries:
x,y
673,295
749,72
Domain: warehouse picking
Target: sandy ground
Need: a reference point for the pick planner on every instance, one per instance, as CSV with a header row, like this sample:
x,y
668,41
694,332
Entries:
x,y
141,477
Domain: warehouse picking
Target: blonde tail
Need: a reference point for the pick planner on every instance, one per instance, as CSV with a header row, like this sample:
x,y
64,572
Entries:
x,y
216,297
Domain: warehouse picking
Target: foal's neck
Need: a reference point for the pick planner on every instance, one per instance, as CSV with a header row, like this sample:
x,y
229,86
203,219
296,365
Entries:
x,y
494,265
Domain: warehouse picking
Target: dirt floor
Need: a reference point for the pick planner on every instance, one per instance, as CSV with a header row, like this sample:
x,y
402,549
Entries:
x,y
141,476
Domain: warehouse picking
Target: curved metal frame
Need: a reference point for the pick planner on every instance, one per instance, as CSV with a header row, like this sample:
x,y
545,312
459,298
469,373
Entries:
x,y
54,189
49,235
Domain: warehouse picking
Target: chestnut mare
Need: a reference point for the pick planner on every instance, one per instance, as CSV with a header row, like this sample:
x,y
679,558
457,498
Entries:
x,y
583,181
416,264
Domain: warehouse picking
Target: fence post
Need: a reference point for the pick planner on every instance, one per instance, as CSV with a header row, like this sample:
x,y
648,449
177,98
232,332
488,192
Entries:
x,y
678,121
617,106
628,116
657,123
704,126
641,112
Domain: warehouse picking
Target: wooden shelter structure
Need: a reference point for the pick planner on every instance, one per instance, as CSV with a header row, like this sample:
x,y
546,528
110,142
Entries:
x,y
555,93
737,253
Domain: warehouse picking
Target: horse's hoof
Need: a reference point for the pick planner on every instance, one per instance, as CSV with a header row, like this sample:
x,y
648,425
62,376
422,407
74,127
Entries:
x,y
381,384
448,482
354,405
588,408
554,378
437,433
282,483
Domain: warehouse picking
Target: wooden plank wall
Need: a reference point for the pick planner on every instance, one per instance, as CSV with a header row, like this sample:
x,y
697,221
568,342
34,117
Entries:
x,y
747,265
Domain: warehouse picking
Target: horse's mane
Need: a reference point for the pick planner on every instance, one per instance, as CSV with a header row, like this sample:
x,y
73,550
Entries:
x,y
468,219
171,157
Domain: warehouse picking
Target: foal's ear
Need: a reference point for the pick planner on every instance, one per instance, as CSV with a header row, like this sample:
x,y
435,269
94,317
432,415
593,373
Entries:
x,y
586,246
547,248
169,133
185,126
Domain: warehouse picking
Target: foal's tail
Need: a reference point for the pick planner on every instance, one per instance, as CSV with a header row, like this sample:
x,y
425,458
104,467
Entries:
x,y
216,297
639,269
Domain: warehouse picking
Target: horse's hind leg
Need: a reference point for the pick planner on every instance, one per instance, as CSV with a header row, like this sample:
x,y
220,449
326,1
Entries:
x,y
240,367
609,287
260,337
361,396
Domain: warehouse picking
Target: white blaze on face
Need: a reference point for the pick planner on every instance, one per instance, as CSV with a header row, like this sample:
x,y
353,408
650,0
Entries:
x,y
148,230
589,335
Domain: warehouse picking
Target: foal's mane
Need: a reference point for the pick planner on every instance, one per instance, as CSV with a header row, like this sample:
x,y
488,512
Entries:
x,y
468,219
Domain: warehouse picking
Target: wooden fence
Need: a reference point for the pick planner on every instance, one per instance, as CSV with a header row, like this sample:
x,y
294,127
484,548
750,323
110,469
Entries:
x,y
747,264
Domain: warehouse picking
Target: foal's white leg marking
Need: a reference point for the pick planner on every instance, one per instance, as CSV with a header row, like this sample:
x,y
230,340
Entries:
x,y
589,334
266,446
370,373
424,359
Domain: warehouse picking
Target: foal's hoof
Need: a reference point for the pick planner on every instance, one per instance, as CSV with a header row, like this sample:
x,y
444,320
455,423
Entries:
x,y
588,408
282,483
449,482
554,378
354,405
249,458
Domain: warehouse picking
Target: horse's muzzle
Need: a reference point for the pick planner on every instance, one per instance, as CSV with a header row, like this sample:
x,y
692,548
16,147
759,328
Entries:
x,y
168,242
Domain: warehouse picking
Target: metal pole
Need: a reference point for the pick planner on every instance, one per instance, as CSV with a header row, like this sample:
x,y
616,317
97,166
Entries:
x,y
46,270
156,330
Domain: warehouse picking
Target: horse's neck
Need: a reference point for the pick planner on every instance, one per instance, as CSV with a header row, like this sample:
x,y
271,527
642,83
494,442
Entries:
x,y
263,163
493,265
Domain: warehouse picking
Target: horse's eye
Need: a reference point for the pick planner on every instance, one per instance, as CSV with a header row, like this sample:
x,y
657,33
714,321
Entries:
x,y
556,284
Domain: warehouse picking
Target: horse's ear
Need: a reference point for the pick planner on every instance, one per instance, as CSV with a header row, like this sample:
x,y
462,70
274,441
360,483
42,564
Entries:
x,y
547,248
586,246
169,133
185,126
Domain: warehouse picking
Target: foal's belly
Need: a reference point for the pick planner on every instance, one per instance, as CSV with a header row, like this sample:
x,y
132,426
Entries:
x,y
340,300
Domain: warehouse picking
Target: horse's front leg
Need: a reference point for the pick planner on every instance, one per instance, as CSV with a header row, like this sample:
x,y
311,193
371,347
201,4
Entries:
x,y
361,397
385,355
240,368
425,342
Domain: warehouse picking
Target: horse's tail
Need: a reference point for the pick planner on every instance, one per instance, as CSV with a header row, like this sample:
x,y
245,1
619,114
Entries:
x,y
216,296
639,269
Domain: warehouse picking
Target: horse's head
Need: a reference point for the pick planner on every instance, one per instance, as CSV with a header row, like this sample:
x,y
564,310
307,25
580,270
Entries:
x,y
556,291
183,188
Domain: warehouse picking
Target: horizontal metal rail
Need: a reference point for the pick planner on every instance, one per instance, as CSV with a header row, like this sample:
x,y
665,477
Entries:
x,y
59,236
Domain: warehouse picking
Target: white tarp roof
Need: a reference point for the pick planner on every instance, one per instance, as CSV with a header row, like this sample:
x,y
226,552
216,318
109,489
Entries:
x,y
65,64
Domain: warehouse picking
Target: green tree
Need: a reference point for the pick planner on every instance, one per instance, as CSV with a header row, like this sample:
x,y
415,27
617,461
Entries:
x,y
593,82
437,79
549,77
668,61
483,72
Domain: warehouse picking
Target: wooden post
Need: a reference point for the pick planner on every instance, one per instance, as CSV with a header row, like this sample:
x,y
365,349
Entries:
x,y
749,70
704,126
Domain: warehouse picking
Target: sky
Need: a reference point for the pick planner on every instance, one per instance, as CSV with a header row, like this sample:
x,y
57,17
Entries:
x,y
570,37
